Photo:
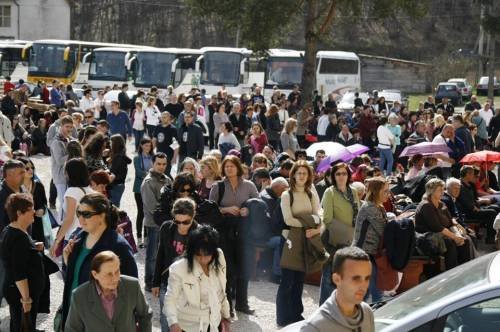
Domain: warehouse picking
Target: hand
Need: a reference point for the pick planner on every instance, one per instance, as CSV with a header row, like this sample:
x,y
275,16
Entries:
x,y
40,212
26,307
175,328
39,246
459,241
311,232
155,291
225,324
53,248
68,250
244,212
234,210
119,229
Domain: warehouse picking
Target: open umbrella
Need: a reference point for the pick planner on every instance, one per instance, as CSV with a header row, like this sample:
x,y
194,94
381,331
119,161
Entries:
x,y
425,148
484,156
330,148
358,149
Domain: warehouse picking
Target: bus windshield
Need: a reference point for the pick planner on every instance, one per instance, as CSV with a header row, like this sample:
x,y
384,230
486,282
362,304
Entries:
x,y
108,65
48,60
154,69
221,68
283,72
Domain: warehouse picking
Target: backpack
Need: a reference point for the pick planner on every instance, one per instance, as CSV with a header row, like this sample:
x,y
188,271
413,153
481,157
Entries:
x,y
415,187
208,213
257,224
399,242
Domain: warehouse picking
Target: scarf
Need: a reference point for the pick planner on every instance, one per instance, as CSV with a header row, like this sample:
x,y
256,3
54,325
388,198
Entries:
x,y
349,196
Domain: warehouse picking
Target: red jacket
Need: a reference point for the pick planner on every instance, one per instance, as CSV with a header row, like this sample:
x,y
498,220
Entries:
x,y
367,126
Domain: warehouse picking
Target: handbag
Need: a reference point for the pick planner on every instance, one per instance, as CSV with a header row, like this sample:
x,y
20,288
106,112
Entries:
x,y
126,226
47,229
340,234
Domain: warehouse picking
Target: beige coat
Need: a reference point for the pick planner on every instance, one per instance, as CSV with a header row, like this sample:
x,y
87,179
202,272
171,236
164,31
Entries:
x,y
183,297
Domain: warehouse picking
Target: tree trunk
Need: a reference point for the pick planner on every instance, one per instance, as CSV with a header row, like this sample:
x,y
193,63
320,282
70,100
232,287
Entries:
x,y
491,67
309,70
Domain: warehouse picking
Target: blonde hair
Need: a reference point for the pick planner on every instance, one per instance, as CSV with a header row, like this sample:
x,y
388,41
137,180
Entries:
x,y
439,120
213,165
374,187
289,125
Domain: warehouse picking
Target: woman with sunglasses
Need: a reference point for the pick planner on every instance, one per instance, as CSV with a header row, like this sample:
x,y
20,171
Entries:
x,y
98,219
35,187
172,243
340,207
196,298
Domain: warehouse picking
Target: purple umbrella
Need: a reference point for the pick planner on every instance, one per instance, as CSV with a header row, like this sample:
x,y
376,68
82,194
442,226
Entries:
x,y
326,163
358,149
425,148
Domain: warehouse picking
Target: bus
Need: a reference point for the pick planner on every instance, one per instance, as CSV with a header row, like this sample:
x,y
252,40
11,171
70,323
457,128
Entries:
x,y
337,72
11,62
224,66
54,59
283,69
162,67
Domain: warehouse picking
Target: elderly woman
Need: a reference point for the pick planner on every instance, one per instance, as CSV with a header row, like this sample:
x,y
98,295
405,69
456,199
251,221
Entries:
x,y
23,262
172,243
108,301
433,216
210,173
196,297
340,207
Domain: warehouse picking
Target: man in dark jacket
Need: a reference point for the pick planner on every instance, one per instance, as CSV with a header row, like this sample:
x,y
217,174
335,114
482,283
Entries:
x,y
447,108
367,126
124,99
190,138
239,123
463,133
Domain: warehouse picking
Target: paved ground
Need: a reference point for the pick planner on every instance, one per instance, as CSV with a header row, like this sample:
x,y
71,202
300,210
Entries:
x,y
262,294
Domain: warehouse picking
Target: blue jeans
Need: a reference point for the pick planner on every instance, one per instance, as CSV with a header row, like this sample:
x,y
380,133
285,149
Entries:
x,y
289,307
151,251
163,317
276,243
386,161
116,193
373,291
326,287
138,135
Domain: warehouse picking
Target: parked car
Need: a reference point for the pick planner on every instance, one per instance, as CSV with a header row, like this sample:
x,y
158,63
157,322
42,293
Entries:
x,y
450,90
482,86
346,103
466,298
464,86
393,95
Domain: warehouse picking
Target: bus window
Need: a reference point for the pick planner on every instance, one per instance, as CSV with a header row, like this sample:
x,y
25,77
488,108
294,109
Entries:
x,y
338,66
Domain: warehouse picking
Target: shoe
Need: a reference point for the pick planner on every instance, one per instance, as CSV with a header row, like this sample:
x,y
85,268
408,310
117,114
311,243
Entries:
x,y
231,313
246,310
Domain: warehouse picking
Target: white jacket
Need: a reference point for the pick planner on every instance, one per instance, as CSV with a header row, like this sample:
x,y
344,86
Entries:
x,y
6,129
183,303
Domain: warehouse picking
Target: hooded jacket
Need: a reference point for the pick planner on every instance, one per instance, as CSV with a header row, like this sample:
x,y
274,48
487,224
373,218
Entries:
x,y
328,317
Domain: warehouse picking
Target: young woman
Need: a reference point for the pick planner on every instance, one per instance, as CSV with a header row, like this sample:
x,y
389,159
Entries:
x,y
39,138
98,219
118,164
372,211
138,121
258,138
289,305
142,164
219,117
289,142
152,116
340,207
94,153
273,126
210,173
227,140
195,299
172,244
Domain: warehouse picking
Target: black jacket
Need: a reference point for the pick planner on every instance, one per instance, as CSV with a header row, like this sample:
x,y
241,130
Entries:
x,y
274,211
453,209
240,123
465,135
194,143
5,191
466,201
119,167
124,101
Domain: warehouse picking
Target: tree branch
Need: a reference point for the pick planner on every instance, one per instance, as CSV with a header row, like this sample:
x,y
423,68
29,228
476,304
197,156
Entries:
x,y
329,18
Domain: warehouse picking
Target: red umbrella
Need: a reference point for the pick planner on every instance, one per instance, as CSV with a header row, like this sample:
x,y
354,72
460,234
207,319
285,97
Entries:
x,y
484,156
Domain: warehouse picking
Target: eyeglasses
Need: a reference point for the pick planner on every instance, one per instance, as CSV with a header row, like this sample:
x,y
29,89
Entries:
x,y
341,174
86,214
185,223
184,190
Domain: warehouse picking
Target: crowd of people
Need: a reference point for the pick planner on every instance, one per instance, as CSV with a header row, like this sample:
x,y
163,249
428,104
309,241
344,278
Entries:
x,y
243,184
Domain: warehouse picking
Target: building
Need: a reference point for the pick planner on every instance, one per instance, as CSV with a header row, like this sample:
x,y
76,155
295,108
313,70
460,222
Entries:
x,y
35,19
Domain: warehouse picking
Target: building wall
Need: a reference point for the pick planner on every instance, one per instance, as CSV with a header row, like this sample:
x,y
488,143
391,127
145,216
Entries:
x,y
38,19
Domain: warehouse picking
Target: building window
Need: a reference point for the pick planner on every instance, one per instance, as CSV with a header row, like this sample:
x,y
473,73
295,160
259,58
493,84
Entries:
x,y
4,16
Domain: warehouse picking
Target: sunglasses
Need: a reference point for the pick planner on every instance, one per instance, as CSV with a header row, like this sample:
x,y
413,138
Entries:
x,y
86,214
183,190
185,223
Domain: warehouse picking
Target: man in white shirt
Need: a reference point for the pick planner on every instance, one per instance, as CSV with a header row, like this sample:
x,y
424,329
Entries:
x,y
444,160
87,102
385,141
323,122
486,113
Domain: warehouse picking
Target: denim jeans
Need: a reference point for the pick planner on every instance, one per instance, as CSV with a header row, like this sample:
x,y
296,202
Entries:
x,y
326,287
386,161
138,135
163,317
61,189
276,243
289,307
373,291
116,193
151,251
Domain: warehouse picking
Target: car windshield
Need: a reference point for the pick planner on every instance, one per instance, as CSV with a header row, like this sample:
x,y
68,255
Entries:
x,y
446,284
48,59
447,88
221,68
108,65
485,80
284,72
390,96
459,83
154,69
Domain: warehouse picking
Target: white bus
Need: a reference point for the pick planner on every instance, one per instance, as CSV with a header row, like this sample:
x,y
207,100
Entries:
x,y
11,61
337,72
162,67
283,69
224,66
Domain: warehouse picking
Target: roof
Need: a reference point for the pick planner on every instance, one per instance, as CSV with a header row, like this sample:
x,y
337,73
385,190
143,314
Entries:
x,y
337,55
393,60
284,53
226,49
171,50
115,49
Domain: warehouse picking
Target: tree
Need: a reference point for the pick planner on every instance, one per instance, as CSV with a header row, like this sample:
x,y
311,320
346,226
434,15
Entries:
x,y
262,24
490,22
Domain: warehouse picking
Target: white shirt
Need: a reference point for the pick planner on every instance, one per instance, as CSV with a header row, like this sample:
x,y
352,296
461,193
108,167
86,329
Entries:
x,y
86,103
385,137
152,115
138,120
441,140
323,123
486,115
77,194
98,104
